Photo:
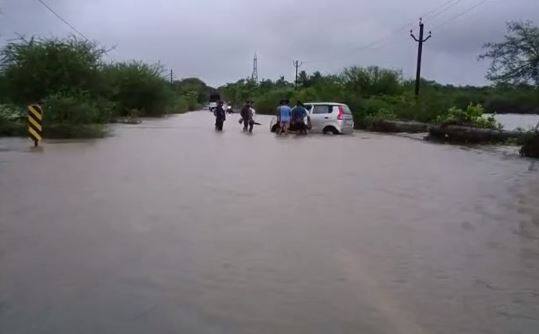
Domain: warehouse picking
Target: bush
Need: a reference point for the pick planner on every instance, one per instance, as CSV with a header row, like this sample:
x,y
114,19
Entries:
x,y
372,80
76,108
11,113
530,144
34,69
138,86
267,103
473,115
370,121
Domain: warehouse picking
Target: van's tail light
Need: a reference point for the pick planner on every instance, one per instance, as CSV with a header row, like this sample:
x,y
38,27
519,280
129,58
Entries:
x,y
340,115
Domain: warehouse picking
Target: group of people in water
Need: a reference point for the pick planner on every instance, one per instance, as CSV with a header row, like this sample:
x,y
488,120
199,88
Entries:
x,y
247,116
287,118
291,118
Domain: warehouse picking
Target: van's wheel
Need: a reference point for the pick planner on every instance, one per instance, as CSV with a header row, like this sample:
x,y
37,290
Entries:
x,y
330,130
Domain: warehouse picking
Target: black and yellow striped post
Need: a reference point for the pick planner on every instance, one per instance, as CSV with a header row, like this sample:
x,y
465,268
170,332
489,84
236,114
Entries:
x,y
35,118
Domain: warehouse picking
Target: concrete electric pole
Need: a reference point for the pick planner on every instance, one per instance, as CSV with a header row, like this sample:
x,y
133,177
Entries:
x,y
420,42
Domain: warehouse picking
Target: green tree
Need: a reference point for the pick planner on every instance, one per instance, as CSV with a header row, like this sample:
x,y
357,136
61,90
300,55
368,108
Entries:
x,y
138,86
190,86
35,68
303,79
372,80
515,60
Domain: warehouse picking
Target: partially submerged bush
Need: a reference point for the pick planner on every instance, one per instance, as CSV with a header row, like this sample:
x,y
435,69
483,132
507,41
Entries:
x,y
76,108
473,116
530,144
11,113
82,131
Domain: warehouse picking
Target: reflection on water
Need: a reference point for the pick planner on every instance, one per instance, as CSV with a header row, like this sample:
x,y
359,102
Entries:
x,y
170,227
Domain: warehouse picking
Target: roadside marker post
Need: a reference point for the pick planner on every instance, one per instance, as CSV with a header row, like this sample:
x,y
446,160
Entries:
x,y
35,120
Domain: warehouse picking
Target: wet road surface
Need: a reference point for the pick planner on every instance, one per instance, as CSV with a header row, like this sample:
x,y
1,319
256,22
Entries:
x,y
169,227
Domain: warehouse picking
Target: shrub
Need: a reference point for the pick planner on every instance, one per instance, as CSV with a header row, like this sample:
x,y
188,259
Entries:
x,y
473,115
59,131
371,80
267,103
37,68
138,86
12,121
530,144
76,108
11,113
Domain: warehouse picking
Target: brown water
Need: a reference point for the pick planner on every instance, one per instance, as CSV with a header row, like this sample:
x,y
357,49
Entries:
x,y
169,227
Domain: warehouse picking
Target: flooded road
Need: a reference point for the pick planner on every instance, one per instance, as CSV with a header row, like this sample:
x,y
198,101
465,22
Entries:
x,y
169,227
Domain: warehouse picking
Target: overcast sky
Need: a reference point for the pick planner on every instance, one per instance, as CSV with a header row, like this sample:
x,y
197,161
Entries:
x,y
215,40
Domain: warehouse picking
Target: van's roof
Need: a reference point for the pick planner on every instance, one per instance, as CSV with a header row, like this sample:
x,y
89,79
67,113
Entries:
x,y
325,103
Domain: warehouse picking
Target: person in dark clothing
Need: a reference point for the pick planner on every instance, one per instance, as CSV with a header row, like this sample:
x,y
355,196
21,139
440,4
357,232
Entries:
x,y
298,118
247,116
220,116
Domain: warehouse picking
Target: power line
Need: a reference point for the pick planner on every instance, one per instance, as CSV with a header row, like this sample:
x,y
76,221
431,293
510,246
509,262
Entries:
x,y
443,9
434,10
469,9
380,42
63,20
431,13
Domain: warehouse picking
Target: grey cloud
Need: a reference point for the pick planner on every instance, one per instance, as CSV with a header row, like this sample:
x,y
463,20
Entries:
x,y
216,39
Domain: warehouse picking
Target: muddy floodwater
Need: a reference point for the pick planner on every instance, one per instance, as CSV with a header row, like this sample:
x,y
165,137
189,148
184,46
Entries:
x,y
170,227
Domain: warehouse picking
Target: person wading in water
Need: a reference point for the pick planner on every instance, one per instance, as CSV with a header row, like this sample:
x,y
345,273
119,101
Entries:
x,y
284,117
247,117
299,113
220,116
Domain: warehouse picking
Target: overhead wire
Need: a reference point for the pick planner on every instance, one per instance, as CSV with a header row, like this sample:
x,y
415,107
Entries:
x,y
468,10
63,20
382,41
71,26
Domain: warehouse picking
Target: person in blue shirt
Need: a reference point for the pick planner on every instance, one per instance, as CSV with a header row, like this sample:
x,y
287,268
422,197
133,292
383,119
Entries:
x,y
285,114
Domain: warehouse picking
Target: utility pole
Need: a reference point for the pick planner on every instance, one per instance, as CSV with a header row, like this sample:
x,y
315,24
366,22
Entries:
x,y
297,65
171,77
254,75
420,42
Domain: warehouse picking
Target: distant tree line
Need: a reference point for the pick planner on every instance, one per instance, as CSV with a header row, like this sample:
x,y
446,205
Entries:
x,y
78,87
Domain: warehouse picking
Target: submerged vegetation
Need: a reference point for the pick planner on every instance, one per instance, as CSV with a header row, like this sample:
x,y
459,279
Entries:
x,y
79,91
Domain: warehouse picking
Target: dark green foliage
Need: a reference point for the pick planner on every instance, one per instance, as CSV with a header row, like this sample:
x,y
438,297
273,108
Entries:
x,y
194,90
58,131
78,88
36,68
530,145
76,108
137,86
371,81
373,93
12,120
473,116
